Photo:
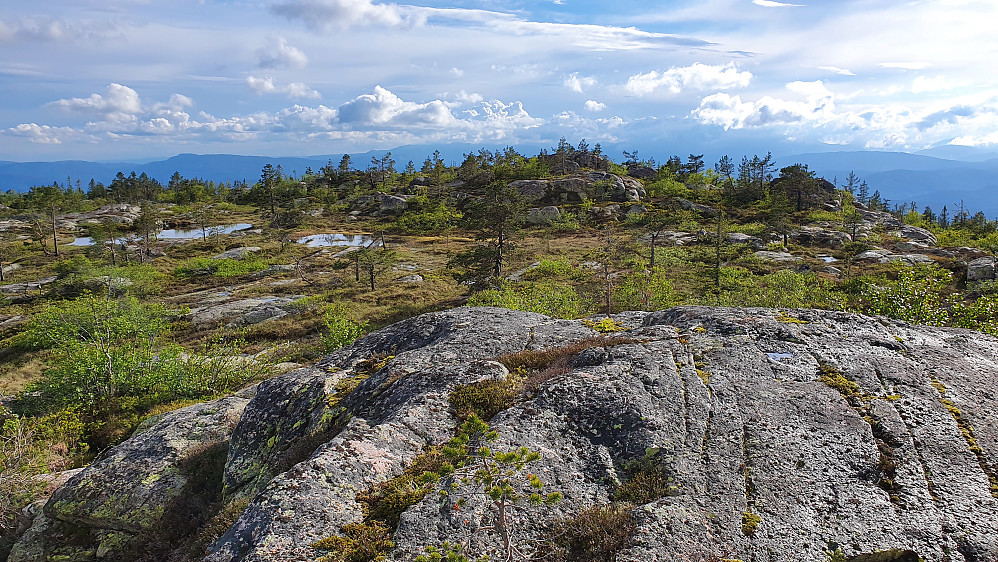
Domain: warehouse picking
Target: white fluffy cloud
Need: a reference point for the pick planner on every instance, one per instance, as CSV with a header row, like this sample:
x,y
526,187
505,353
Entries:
x,y
43,134
576,83
118,104
731,112
294,90
594,106
278,53
385,109
696,76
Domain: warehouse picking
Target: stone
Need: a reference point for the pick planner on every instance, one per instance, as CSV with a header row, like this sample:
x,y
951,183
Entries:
x,y
236,253
144,493
777,256
688,205
543,216
642,172
243,311
635,210
914,233
742,238
530,189
569,190
393,204
410,279
816,236
981,269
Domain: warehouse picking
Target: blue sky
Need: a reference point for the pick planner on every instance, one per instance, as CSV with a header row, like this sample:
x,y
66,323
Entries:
x,y
117,79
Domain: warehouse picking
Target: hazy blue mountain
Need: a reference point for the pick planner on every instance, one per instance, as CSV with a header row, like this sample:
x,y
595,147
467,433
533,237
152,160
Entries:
x,y
934,177
20,176
927,180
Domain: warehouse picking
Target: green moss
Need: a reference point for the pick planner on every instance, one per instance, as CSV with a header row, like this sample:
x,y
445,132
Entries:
x,y
605,326
360,542
750,523
386,501
781,317
833,378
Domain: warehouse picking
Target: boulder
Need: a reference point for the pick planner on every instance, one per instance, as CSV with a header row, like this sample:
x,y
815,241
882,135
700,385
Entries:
x,y
137,498
816,236
634,210
569,190
981,269
742,238
236,253
530,189
393,204
543,216
916,234
243,311
642,172
688,205
777,256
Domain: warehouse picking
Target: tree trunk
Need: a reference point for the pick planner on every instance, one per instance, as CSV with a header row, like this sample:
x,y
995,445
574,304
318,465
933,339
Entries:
x,y
55,235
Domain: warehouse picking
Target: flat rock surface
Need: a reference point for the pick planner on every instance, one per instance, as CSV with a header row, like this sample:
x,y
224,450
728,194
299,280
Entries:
x,y
830,430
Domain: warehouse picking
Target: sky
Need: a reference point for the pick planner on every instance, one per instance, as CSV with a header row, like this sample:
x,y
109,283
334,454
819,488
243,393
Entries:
x,y
131,79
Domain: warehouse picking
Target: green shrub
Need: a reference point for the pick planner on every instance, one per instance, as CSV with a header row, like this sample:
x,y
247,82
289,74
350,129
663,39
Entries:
x,y
916,296
555,300
341,330
203,267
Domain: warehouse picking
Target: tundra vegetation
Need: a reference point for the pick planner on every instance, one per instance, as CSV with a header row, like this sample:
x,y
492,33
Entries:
x,y
95,339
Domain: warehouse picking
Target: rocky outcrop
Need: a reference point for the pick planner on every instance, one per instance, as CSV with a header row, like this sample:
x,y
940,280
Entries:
x,y
543,215
981,269
143,494
784,434
599,186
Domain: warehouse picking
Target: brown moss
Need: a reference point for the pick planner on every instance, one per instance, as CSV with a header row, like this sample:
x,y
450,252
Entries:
x,y
595,534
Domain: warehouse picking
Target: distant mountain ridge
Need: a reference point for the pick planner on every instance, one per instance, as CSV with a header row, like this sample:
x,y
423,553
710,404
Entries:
x,y
903,177
936,177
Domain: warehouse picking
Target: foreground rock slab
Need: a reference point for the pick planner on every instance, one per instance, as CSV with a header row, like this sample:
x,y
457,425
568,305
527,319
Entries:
x,y
786,433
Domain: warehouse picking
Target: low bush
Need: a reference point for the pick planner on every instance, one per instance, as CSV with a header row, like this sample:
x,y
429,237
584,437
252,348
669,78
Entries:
x,y
595,534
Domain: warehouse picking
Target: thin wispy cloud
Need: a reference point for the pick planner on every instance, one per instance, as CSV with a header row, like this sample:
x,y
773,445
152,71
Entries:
x,y
910,65
772,4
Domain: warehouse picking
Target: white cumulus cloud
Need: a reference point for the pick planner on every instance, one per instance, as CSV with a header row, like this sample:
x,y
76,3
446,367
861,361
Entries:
x,y
278,53
576,83
696,76
594,106
267,85
119,103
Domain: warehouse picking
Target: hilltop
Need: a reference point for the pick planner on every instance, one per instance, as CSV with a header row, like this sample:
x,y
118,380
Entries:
x,y
127,301
691,433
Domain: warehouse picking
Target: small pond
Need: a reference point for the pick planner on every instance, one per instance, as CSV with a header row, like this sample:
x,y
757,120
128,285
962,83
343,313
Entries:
x,y
173,234
336,239
778,356
827,259
189,233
